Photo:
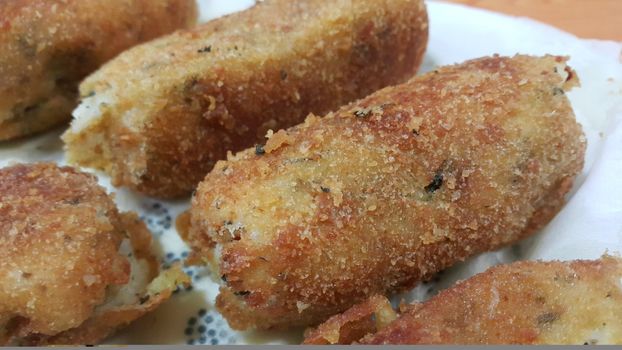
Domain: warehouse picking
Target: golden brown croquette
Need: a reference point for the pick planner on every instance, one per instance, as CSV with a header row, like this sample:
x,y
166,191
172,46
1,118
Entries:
x,y
48,46
576,302
388,190
73,268
159,116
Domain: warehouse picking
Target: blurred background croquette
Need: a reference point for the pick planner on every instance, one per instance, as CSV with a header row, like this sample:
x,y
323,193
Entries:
x,y
48,46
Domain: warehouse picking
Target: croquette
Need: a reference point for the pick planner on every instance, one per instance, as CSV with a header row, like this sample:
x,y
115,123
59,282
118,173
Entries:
x,y
387,191
159,116
73,269
48,46
572,303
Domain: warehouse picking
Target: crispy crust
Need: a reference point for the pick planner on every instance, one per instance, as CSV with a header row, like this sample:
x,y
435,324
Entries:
x,y
103,324
362,319
60,238
168,110
59,246
389,190
576,302
47,47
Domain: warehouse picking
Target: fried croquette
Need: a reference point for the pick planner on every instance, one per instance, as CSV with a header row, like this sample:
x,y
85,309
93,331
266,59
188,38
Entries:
x,y
528,302
47,47
73,268
159,116
388,190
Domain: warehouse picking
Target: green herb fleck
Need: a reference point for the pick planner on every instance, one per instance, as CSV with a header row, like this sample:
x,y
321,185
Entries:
x,y
546,318
436,183
259,150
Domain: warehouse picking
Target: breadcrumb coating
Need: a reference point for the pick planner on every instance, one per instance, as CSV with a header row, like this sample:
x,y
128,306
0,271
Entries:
x,y
61,240
160,115
106,322
577,302
388,190
48,46
360,320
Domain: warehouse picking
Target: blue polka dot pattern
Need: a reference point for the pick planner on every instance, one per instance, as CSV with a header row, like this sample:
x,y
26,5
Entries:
x,y
205,327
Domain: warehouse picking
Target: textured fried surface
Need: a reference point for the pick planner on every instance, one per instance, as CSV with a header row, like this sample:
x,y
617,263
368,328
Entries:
x,y
577,302
388,190
163,113
59,246
102,324
358,321
48,46
60,238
